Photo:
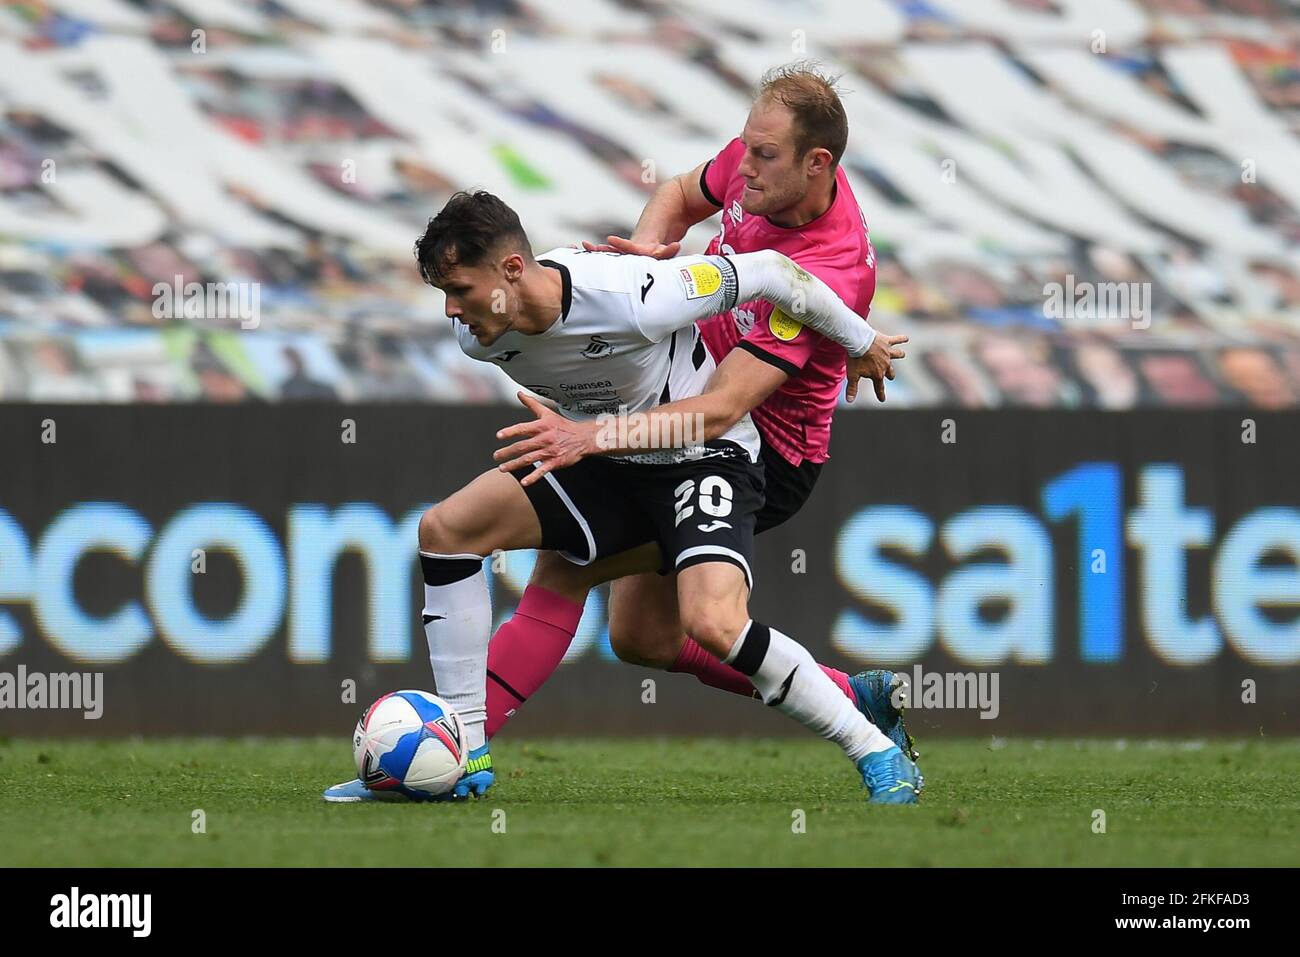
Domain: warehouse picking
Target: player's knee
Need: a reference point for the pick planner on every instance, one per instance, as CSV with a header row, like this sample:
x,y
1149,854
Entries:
x,y
642,646
439,533
626,650
715,628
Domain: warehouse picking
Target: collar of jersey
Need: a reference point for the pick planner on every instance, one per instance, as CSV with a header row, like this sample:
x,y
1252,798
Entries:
x,y
566,295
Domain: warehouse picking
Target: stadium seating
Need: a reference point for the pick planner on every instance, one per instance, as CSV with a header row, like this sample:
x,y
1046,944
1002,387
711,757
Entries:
x,y
1006,152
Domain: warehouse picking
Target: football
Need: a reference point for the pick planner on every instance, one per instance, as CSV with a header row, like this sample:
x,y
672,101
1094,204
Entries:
x,y
410,743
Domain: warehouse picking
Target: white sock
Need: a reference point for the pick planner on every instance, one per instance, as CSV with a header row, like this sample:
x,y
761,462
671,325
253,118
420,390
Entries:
x,y
458,624
789,679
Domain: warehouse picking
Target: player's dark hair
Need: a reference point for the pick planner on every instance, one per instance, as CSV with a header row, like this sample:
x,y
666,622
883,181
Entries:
x,y
811,96
466,229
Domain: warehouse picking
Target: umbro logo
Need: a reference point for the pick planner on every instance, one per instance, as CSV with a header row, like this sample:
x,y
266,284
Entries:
x,y
506,356
597,348
735,212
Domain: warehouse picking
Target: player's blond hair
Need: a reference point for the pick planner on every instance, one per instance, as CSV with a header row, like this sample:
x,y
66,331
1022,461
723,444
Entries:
x,y
812,97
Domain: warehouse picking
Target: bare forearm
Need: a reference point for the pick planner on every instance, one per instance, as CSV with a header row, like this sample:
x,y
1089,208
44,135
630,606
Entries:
x,y
665,218
737,386
740,383
677,425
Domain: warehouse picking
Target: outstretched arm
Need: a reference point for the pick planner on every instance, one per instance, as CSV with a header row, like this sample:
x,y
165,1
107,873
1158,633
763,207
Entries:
x,y
737,386
553,442
768,274
677,292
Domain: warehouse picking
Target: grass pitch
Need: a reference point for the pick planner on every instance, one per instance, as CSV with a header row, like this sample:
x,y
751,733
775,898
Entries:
x,y
655,802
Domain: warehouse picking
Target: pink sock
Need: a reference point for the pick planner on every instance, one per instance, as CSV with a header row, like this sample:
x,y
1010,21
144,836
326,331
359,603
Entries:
x,y
694,660
841,681
526,650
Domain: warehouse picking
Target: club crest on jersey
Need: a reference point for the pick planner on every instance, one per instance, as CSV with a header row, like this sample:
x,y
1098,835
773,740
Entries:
x,y
783,327
597,348
700,280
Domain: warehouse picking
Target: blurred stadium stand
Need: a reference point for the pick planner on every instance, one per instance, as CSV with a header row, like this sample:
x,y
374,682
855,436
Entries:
x,y
997,147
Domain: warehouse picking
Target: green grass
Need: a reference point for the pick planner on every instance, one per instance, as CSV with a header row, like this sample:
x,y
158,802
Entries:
x,y
656,802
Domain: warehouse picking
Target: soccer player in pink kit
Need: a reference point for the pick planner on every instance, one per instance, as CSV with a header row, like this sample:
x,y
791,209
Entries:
x,y
779,186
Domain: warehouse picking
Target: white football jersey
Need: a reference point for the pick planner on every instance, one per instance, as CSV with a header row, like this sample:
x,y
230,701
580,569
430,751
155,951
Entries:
x,y
625,341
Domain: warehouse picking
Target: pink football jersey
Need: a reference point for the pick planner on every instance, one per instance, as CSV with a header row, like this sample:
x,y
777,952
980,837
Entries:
x,y
795,420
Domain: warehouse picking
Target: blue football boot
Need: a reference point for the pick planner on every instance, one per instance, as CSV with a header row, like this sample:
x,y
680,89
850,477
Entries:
x,y
891,777
478,777
476,780
874,692
350,792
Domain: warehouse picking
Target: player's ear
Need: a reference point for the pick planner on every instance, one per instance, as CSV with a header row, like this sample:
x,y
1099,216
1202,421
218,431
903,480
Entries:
x,y
817,161
512,267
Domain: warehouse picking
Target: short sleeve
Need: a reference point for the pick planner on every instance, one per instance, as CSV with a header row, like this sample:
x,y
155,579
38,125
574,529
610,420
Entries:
x,y
720,170
780,340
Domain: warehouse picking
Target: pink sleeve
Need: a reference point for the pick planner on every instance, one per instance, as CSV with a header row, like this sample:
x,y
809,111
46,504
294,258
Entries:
x,y
713,183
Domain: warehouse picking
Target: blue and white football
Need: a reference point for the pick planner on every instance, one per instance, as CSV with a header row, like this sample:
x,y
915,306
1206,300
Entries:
x,y
411,742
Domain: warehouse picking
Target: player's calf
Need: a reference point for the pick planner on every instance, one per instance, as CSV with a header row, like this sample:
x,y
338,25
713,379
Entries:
x,y
784,673
644,628
560,576
789,679
527,648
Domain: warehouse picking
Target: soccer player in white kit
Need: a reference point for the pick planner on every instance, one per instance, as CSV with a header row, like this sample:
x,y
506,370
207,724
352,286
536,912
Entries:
x,y
598,333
